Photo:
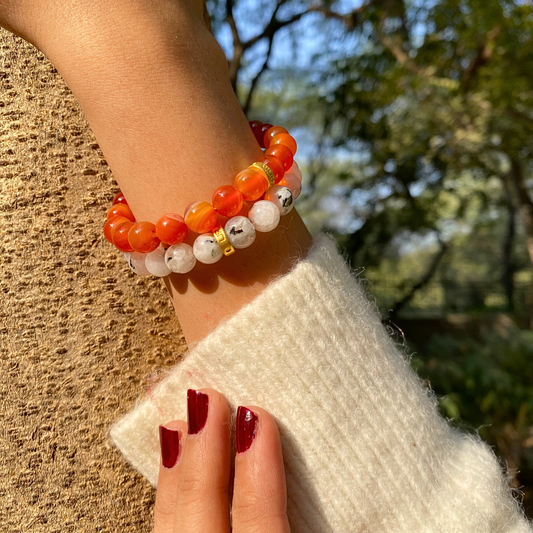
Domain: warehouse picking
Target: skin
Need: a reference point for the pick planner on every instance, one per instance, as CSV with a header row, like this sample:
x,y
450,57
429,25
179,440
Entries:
x,y
193,496
154,86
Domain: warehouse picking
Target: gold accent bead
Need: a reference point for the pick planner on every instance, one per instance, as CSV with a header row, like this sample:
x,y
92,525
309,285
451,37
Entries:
x,y
267,170
223,241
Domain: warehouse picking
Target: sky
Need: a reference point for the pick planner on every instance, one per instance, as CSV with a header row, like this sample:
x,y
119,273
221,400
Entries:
x,y
309,45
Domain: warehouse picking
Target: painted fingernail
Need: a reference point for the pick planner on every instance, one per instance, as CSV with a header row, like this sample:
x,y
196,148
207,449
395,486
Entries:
x,y
170,446
197,405
246,426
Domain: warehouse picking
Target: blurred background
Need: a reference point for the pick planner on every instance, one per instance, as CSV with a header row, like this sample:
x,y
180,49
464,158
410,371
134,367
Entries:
x,y
414,120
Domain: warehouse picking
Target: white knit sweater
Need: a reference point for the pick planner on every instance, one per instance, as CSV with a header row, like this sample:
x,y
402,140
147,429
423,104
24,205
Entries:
x,y
364,446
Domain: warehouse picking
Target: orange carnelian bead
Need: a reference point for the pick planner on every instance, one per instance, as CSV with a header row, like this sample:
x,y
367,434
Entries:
x,y
283,154
227,200
286,140
275,165
120,236
272,132
111,225
142,237
119,198
171,228
201,217
252,183
120,210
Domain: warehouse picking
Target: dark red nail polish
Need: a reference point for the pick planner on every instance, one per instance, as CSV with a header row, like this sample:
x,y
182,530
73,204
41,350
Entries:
x,y
170,446
197,405
246,425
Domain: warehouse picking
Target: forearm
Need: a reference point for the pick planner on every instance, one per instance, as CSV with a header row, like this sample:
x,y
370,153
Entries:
x,y
154,86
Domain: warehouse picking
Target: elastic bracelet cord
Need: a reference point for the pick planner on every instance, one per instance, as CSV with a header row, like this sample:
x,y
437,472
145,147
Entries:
x,y
270,185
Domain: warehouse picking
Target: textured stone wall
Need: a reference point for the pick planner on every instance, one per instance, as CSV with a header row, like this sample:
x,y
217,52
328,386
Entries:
x,y
81,338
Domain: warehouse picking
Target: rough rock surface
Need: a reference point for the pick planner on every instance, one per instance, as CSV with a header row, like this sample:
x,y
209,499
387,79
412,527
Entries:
x,y
81,337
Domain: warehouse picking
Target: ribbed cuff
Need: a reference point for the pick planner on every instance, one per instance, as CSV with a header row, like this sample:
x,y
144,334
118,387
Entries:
x,y
364,446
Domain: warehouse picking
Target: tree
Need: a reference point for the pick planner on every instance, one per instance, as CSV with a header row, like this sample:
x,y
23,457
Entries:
x,y
437,93
419,95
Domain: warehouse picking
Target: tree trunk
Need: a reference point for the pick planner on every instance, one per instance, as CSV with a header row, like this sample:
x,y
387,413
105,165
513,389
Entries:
x,y
524,204
507,252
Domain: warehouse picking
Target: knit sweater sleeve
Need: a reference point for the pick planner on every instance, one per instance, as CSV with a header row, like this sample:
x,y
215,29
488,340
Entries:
x,y
364,446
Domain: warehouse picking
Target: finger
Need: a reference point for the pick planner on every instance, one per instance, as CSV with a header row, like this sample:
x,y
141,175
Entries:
x,y
203,498
260,494
172,437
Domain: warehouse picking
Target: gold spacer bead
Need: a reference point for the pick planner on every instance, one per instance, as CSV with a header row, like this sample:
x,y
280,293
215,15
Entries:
x,y
267,170
223,241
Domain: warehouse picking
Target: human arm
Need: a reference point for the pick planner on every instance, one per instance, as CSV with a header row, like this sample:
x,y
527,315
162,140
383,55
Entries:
x,y
153,84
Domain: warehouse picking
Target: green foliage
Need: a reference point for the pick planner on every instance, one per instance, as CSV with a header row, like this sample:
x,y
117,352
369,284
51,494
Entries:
x,y
440,100
484,385
491,378
415,109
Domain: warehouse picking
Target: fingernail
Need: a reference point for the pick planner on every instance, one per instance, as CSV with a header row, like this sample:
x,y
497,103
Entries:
x,y
170,446
246,424
197,405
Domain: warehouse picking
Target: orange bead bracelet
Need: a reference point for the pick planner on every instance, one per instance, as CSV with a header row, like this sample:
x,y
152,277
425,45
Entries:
x,y
137,238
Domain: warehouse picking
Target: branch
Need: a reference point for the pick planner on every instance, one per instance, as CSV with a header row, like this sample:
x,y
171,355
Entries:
x,y
351,20
507,249
396,44
234,64
253,85
230,18
273,26
484,54
426,278
517,174
523,201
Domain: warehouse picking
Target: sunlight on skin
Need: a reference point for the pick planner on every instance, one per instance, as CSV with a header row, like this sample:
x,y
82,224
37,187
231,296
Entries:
x,y
154,86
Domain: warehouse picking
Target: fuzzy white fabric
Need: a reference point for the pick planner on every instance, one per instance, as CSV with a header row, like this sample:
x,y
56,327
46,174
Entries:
x,y
364,446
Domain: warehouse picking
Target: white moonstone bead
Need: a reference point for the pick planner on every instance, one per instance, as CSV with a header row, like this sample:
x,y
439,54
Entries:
x,y
137,263
206,249
292,182
180,258
295,171
264,216
282,197
156,264
240,232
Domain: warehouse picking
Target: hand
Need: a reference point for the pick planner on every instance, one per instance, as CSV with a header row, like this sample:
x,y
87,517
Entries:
x,y
193,492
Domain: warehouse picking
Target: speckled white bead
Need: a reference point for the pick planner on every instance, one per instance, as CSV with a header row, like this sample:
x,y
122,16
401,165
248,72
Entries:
x,y
240,232
137,263
180,258
281,197
264,216
206,249
156,264
292,182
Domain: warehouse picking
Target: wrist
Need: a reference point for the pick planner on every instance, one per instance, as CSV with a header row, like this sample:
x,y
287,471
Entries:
x,y
158,98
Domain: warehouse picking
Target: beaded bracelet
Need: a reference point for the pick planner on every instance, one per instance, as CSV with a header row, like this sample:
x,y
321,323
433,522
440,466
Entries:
x,y
276,178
